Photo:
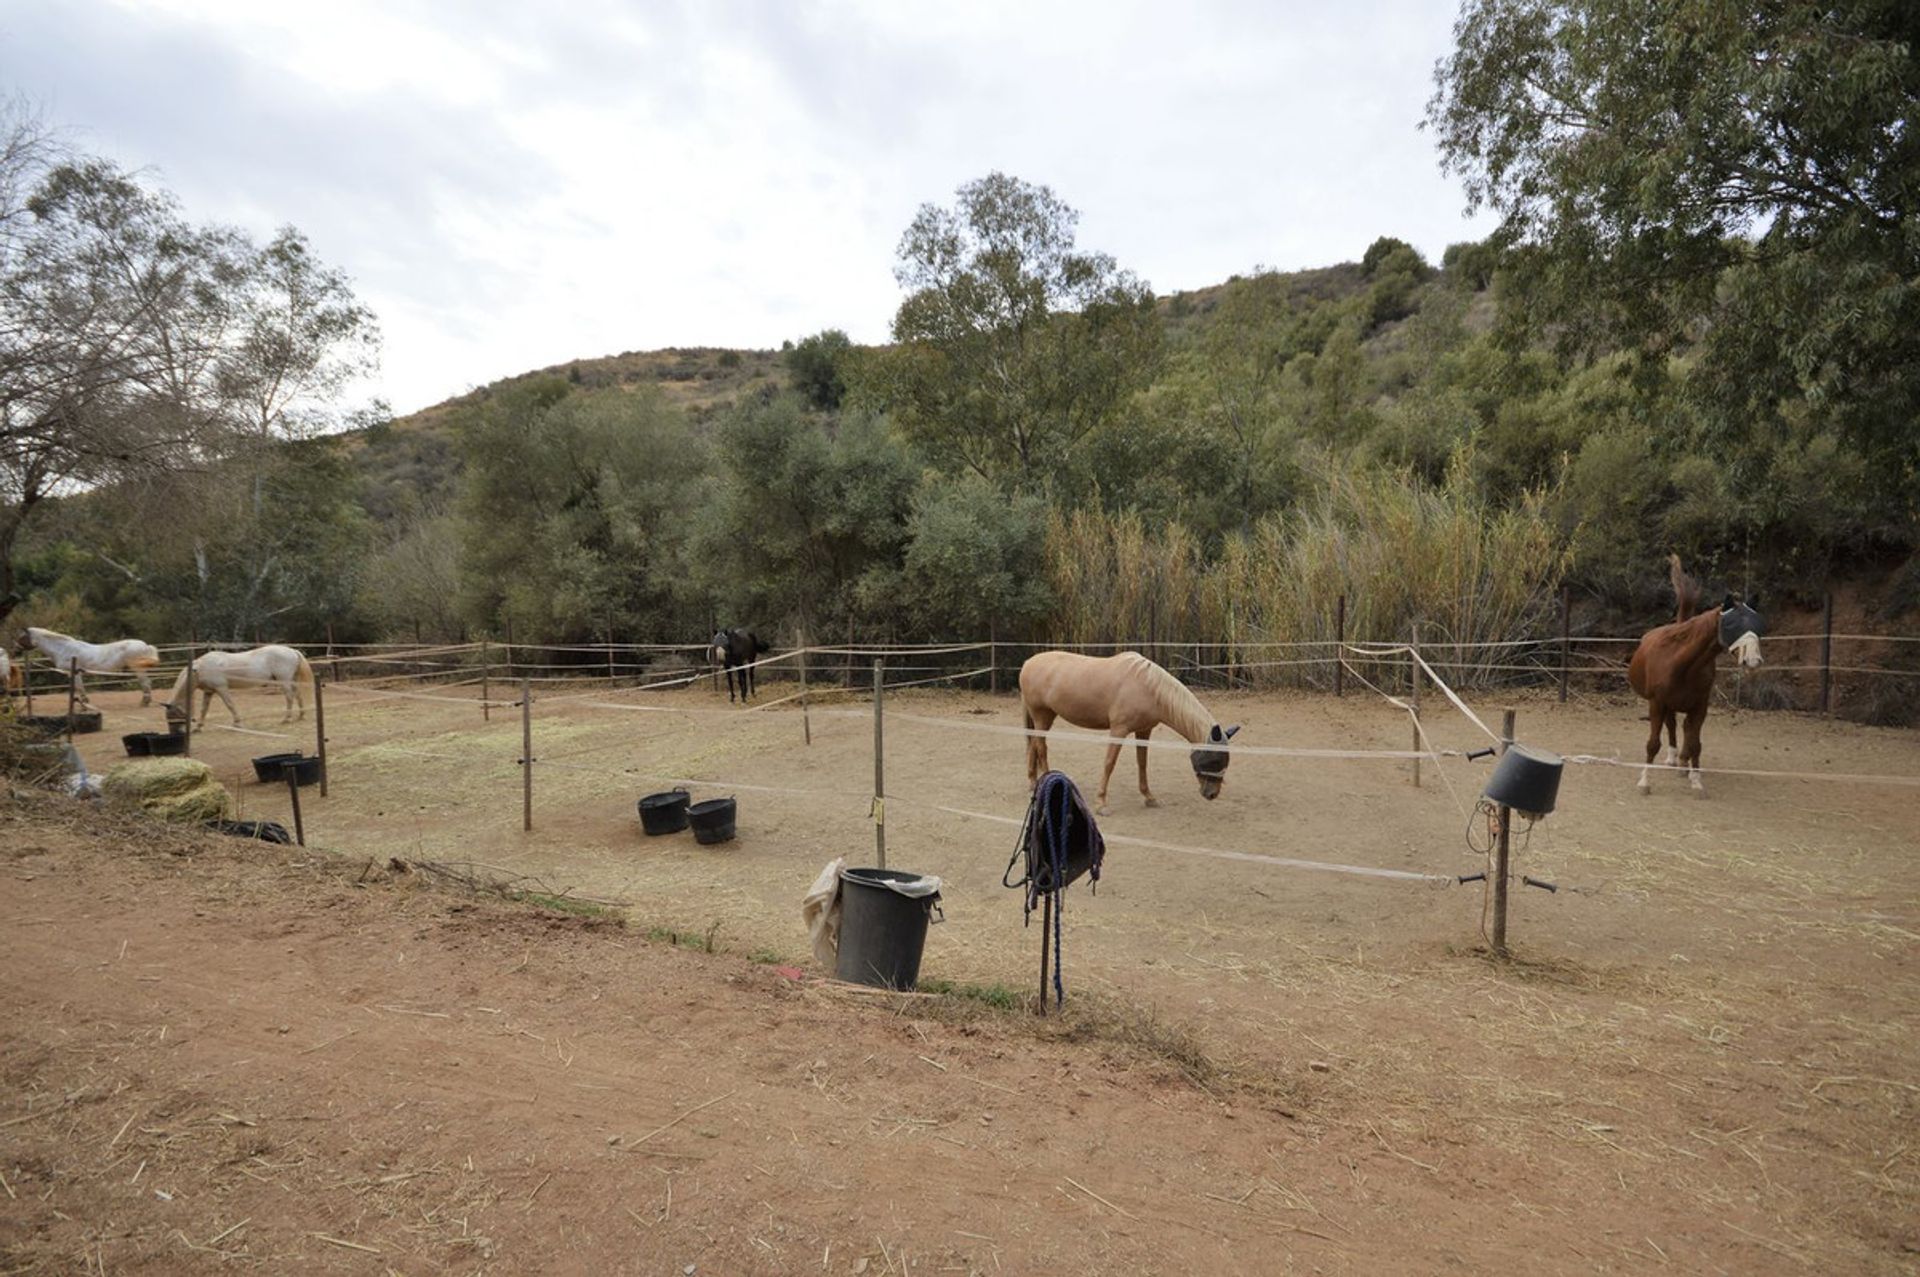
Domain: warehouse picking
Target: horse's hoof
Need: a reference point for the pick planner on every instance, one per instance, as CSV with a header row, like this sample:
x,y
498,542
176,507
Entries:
x,y
1152,801
1645,789
1103,810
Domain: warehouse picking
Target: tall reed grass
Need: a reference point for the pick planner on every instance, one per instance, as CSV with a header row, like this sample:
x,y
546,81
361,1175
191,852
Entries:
x,y
1399,550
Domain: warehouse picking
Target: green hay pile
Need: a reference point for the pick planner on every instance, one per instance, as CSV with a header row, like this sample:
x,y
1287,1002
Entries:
x,y
181,789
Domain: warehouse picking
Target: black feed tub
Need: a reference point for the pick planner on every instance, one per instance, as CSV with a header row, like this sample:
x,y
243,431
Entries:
x,y
272,768
48,726
154,744
712,820
664,813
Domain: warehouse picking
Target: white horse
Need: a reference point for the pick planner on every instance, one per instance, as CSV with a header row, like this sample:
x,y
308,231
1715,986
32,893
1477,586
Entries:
x,y
281,667
65,652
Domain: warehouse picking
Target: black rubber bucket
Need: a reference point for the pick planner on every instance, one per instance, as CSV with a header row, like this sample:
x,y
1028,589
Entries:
x,y
258,830
153,744
712,820
1527,780
51,725
272,768
882,933
664,813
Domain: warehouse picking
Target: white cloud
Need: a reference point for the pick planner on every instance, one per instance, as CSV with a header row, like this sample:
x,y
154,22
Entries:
x,y
511,186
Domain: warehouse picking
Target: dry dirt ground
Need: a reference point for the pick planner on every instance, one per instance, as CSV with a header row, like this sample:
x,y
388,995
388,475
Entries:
x,y
1702,1058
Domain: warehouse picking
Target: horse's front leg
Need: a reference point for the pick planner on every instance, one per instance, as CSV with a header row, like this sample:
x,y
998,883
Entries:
x,y
1141,750
1106,774
1690,752
1656,715
80,691
729,684
146,687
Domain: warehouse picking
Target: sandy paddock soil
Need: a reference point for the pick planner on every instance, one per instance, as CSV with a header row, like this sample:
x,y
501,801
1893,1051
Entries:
x,y
1702,1059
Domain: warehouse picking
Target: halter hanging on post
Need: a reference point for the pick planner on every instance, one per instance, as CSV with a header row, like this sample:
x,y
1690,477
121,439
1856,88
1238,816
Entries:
x,y
1060,842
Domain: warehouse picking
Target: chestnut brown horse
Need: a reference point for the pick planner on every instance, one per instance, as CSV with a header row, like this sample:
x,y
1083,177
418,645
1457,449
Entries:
x,y
1128,695
1674,665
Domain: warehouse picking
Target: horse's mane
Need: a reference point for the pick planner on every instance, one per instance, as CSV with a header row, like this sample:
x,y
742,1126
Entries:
x,y
1179,708
1686,590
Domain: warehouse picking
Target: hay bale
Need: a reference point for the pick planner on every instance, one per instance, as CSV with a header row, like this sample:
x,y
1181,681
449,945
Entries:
x,y
170,788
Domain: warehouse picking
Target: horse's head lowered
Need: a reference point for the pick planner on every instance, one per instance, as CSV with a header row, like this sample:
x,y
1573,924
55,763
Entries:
x,y
1741,628
1210,761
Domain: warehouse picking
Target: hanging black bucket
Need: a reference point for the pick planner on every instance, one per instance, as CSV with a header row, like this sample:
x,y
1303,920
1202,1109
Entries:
x,y
883,932
153,744
272,768
1526,779
712,820
664,813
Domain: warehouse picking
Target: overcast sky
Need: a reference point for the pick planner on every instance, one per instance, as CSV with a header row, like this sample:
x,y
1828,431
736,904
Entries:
x,y
513,185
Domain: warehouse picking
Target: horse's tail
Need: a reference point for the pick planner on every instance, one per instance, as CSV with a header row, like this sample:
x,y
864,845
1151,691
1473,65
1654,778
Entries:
x,y
1686,590
303,672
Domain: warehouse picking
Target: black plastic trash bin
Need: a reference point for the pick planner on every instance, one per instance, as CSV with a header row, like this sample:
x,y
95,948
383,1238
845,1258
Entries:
x,y
882,932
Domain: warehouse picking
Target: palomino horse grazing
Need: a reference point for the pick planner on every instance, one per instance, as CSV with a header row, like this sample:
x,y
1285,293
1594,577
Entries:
x,y
217,671
1674,666
94,658
1128,695
737,649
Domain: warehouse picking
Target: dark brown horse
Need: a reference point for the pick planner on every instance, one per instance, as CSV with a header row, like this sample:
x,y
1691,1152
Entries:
x,y
1674,666
737,650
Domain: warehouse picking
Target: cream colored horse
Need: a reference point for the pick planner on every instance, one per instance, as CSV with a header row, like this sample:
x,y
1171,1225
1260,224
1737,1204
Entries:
x,y
216,672
1128,695
65,652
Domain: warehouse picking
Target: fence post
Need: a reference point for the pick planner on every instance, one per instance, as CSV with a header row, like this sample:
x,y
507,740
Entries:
x,y
293,793
332,660
73,689
879,770
186,728
610,673
1413,675
320,730
486,666
1826,656
26,679
1340,647
1501,851
1566,608
806,714
526,755
509,649
993,656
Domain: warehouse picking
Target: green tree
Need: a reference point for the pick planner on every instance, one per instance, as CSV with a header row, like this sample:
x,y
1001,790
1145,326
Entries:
x,y
809,520
1015,345
1740,181
976,563
817,365
576,510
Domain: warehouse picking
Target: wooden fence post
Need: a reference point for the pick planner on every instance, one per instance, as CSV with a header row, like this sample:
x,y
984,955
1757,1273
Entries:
x,y
806,713
1826,656
879,770
331,658
320,730
186,728
1340,647
1502,856
610,674
1413,675
526,755
993,656
1566,608
73,691
293,795
486,666
509,648
26,679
